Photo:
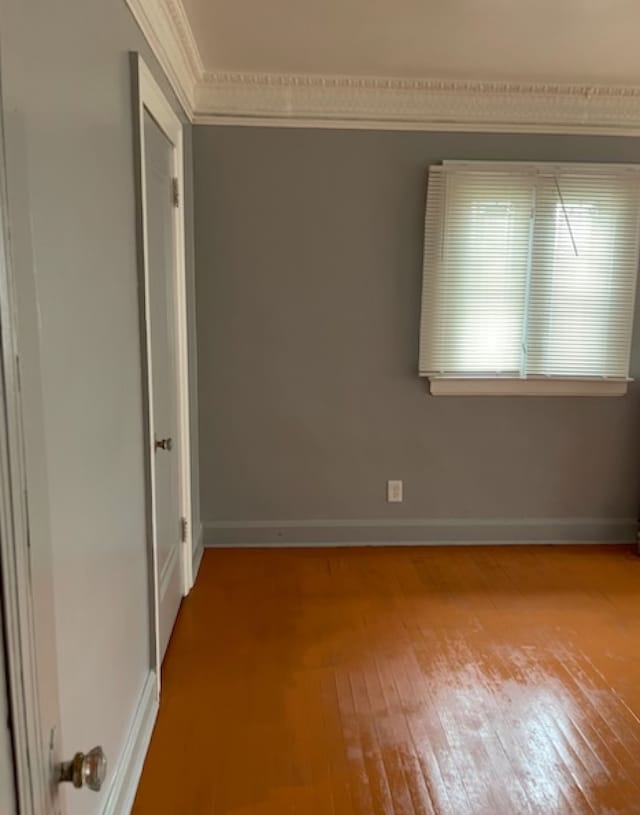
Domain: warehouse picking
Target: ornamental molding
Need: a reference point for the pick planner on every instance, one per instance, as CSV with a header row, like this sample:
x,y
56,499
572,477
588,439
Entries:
x,y
312,100
418,103
166,28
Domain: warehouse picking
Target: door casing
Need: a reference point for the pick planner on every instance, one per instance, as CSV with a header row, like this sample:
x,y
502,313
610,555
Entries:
x,y
149,96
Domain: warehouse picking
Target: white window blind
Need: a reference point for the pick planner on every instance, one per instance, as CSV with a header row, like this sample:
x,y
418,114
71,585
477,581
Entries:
x,y
529,270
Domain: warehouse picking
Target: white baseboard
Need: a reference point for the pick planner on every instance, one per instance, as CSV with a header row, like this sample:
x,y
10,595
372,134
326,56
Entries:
x,y
125,778
420,532
198,552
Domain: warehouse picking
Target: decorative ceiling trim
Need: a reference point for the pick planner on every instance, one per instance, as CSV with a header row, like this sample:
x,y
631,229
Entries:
x,y
166,28
311,100
415,104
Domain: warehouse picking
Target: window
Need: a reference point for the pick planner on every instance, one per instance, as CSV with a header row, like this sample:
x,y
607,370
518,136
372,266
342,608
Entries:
x,y
529,275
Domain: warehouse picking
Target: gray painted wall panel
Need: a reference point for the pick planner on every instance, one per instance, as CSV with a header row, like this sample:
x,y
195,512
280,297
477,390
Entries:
x,y
308,257
192,334
70,152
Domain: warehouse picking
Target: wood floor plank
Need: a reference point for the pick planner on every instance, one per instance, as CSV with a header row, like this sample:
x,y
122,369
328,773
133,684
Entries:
x,y
402,681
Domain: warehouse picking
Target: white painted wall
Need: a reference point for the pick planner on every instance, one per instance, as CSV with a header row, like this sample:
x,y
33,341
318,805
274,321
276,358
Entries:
x,y
68,116
7,800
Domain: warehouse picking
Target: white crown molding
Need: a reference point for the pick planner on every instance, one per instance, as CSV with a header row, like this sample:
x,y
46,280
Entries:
x,y
166,28
334,101
310,100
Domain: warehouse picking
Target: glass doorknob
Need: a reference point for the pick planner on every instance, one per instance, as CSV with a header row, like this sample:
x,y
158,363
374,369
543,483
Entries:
x,y
85,769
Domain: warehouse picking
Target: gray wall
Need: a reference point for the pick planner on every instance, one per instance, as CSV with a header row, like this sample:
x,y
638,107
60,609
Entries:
x,y
189,215
308,258
70,154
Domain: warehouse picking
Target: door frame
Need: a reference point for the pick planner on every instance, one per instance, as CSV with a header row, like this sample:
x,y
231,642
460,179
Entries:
x,y
32,766
149,96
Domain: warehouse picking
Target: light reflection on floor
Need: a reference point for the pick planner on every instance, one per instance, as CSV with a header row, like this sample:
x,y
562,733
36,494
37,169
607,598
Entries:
x,y
480,681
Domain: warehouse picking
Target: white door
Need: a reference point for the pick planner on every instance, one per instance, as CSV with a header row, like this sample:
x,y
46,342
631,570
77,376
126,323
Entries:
x,y
7,791
88,685
26,585
161,258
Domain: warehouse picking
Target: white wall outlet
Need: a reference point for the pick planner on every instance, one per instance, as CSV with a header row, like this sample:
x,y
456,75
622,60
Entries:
x,y
394,492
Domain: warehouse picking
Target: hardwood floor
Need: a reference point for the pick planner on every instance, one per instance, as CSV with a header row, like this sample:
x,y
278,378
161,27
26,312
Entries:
x,y
402,681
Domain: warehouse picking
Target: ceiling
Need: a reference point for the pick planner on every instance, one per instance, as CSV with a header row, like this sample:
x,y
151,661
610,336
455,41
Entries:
x,y
586,41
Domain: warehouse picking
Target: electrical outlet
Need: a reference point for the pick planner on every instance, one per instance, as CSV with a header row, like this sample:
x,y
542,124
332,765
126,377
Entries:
x,y
394,492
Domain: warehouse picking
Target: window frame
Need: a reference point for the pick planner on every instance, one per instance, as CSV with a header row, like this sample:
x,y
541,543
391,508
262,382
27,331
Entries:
x,y
470,384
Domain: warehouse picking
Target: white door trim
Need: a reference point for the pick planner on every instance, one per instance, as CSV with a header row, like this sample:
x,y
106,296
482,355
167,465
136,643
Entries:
x,y
148,96
30,752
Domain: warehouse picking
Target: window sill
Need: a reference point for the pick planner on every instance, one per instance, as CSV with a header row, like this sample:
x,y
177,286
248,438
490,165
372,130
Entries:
x,y
512,386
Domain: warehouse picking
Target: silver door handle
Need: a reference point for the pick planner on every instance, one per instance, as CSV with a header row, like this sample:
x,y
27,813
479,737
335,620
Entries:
x,y
164,444
85,769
